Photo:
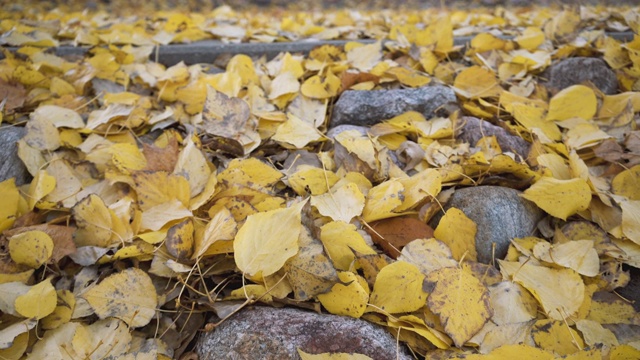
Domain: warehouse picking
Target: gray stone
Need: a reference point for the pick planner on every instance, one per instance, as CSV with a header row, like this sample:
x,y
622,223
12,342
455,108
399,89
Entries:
x,y
500,215
365,108
470,129
11,166
275,334
333,132
577,70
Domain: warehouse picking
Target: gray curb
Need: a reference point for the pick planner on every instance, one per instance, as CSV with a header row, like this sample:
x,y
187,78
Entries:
x,y
207,51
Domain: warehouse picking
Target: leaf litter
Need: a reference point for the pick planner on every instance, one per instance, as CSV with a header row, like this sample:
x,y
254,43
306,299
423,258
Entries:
x,y
160,193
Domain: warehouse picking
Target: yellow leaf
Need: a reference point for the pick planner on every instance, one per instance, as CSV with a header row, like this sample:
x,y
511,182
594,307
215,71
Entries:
x,y
365,57
460,300
518,351
58,116
179,240
556,164
579,255
486,42
267,240
243,66
38,302
332,356
511,303
341,204
192,165
627,183
63,312
349,298
624,352
128,295
31,248
428,255
284,84
224,116
321,87
340,241
425,184
584,135
555,336
251,291
308,179
458,232
477,82
221,227
631,219
309,271
42,134
559,198
296,132
574,101
127,157
382,200
530,39
158,216
158,187
595,335
532,117
94,221
398,289
438,33
543,283
409,77
41,185
10,201
417,325
67,183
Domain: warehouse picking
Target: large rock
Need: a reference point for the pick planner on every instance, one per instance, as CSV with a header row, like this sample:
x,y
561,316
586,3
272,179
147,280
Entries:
x,y
275,334
577,70
500,215
470,129
365,108
11,166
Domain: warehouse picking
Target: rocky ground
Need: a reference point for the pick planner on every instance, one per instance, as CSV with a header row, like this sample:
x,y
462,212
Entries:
x,y
422,139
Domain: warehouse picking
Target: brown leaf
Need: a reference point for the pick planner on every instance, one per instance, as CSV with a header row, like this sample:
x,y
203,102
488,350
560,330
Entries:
x,y
161,158
394,233
348,79
14,94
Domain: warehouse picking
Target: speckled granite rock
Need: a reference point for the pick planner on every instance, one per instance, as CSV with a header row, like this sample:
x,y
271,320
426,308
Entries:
x,y
577,70
365,108
470,129
264,333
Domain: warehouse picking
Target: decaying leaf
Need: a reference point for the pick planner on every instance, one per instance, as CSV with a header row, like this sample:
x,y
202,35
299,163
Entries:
x,y
460,300
128,295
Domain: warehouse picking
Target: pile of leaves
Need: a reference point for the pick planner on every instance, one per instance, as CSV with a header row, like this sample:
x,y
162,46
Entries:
x,y
162,194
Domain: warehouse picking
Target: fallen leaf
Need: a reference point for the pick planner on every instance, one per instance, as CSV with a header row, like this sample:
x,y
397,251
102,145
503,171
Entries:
x,y
460,300
128,295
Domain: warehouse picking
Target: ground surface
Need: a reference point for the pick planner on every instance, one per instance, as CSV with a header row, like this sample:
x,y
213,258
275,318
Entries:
x,y
141,198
